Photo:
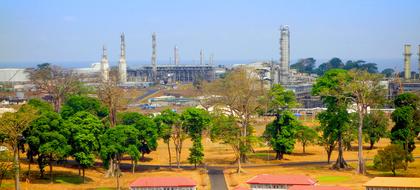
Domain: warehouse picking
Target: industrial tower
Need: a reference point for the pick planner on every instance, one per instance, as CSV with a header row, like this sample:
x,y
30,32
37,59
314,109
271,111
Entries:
x,y
154,64
176,56
104,65
407,61
122,66
419,61
201,57
284,55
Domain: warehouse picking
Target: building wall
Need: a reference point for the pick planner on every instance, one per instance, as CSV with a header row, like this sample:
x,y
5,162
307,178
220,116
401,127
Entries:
x,y
268,187
392,188
162,188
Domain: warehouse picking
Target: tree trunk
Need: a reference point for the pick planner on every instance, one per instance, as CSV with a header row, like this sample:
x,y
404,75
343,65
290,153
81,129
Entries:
x,y
117,167
83,174
170,157
57,104
29,168
340,163
371,145
329,152
51,168
16,167
142,156
239,165
111,169
279,155
303,148
112,118
78,166
133,166
361,163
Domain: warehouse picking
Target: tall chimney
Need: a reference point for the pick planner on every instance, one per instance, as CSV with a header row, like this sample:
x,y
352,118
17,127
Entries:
x,y
154,64
407,61
419,62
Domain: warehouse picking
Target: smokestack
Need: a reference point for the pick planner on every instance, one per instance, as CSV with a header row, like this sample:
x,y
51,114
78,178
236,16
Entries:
x,y
419,61
284,54
407,61
122,65
201,57
176,56
154,64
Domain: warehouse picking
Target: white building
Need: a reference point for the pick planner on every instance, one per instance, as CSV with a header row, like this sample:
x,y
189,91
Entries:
x,y
278,182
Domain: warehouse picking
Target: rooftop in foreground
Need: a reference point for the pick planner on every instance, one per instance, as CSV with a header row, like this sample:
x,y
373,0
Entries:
x,y
163,182
394,182
310,187
282,179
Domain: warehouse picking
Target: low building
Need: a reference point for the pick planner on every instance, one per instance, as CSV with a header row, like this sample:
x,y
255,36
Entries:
x,y
279,182
393,183
317,187
163,183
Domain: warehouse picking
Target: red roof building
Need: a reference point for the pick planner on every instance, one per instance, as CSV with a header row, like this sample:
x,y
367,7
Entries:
x,y
266,181
310,187
172,183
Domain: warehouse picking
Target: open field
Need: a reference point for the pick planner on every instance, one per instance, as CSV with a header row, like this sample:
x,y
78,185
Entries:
x,y
217,154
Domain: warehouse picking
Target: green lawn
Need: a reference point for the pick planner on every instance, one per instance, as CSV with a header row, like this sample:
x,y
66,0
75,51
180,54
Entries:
x,y
327,179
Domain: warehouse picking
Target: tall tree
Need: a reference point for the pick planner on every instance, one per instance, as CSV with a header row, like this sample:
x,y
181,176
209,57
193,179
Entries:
x,y
225,129
111,96
56,82
364,90
335,119
148,135
12,126
390,158
334,63
116,142
240,93
165,123
195,121
375,127
407,125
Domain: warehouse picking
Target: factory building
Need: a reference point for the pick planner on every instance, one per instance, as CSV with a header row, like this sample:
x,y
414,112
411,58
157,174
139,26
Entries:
x,y
13,75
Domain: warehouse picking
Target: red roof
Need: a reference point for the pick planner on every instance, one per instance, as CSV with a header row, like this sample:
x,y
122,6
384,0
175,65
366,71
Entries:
x,y
282,179
163,182
310,187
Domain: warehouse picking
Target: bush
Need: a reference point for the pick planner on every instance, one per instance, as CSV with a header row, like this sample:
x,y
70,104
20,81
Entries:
x,y
391,158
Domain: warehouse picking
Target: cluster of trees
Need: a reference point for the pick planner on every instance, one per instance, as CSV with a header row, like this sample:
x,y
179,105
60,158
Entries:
x,y
81,131
308,65
407,127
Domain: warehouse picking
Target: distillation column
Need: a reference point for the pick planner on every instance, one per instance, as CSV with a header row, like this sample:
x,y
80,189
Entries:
x,y
154,64
407,61
284,55
419,61
104,65
122,66
176,58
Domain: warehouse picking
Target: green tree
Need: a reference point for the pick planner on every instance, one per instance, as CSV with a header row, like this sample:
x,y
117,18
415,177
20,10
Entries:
x,y
5,165
116,142
335,120
165,122
225,129
407,125
12,126
375,127
280,134
388,72
364,90
78,103
148,135
241,94
306,135
85,130
390,158
195,121
306,65
334,63
47,136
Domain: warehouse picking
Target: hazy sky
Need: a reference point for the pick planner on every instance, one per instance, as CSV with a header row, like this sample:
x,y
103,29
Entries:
x,y
51,30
